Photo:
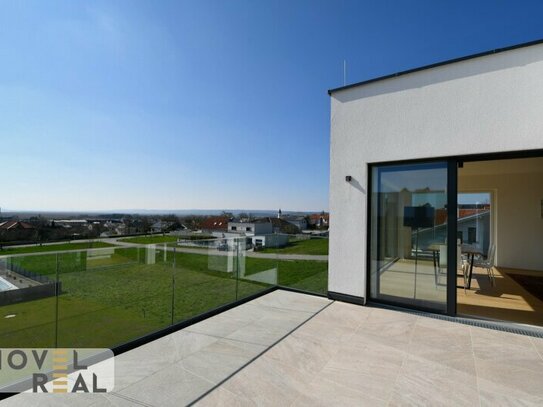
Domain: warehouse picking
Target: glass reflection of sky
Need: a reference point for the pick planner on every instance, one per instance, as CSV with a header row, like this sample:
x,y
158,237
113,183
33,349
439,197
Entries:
x,y
474,198
433,179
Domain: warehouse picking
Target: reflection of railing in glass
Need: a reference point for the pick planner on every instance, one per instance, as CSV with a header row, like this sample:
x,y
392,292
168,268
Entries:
x,y
408,217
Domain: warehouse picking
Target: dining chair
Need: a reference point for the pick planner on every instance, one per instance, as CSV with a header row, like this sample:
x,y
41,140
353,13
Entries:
x,y
461,262
488,263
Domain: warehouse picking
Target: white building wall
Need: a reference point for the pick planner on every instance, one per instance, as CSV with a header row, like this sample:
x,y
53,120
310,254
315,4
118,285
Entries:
x,y
250,228
263,228
518,221
487,104
271,240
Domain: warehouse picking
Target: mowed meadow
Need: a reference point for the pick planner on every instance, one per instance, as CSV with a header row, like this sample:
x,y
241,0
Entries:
x,y
112,295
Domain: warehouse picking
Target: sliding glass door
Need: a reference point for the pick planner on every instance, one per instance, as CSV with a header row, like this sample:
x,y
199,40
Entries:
x,y
408,236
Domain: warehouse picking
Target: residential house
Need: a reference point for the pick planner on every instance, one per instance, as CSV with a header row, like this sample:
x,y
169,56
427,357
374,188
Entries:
x,y
161,226
251,228
283,226
299,221
215,224
403,147
13,230
319,220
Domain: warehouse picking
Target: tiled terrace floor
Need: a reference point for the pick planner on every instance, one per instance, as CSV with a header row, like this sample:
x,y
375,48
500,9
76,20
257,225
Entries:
x,y
331,353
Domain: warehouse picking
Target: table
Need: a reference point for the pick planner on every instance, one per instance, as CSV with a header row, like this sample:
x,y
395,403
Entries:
x,y
469,250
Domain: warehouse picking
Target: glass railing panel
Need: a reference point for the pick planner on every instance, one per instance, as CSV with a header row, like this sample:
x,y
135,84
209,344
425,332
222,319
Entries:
x,y
112,296
256,272
303,263
204,276
28,301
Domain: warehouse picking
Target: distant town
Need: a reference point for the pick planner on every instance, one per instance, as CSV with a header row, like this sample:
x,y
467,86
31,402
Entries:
x,y
264,228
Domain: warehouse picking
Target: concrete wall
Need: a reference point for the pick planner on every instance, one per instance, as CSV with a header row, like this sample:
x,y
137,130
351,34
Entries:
x,y
518,224
271,240
487,104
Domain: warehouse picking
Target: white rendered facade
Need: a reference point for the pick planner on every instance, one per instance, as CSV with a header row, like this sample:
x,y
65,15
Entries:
x,y
486,104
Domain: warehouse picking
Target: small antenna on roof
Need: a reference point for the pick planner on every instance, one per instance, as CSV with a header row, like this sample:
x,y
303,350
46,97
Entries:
x,y
344,72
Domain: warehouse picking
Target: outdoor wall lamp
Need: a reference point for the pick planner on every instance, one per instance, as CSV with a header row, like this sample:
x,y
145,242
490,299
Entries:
x,y
348,178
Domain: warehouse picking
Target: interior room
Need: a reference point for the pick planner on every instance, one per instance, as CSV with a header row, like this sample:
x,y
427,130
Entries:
x,y
500,228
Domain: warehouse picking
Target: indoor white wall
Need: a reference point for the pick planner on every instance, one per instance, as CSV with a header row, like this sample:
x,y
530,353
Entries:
x,y
519,226
486,104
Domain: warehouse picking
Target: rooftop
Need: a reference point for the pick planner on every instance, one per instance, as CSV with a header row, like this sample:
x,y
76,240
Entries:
x,y
14,224
437,64
286,348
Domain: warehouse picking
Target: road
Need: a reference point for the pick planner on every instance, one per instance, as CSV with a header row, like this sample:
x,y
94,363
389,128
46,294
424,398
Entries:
x,y
214,252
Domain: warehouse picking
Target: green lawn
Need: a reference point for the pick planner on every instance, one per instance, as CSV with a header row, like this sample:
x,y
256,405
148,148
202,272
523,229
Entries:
x,y
110,297
155,239
149,239
310,246
53,248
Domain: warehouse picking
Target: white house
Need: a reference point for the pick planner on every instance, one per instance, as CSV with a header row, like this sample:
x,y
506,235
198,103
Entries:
x,y
403,147
255,227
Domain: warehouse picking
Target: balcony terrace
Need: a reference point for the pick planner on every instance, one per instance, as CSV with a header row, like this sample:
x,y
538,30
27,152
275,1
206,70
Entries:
x,y
287,348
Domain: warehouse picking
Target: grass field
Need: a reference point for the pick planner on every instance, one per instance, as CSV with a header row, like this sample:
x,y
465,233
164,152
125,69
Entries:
x,y
310,246
149,239
53,248
110,297
156,239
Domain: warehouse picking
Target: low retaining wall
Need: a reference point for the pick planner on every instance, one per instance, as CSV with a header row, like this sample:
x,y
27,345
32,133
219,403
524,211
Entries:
x,y
30,293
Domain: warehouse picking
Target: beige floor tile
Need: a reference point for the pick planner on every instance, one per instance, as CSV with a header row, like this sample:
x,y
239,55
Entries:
x,y
271,327
220,397
340,314
394,334
172,386
260,333
494,393
505,348
374,357
220,359
538,344
450,347
490,399
293,301
317,330
303,356
323,392
428,383
376,384
219,326
509,380
53,400
135,365
267,382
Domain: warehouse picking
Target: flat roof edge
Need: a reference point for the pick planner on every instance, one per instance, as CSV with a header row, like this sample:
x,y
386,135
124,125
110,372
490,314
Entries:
x,y
437,64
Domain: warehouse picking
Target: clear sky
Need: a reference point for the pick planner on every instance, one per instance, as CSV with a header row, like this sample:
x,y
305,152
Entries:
x,y
205,104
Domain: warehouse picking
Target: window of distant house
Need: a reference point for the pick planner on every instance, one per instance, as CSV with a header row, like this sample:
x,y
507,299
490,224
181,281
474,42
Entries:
x,y
234,228
472,235
460,236
248,229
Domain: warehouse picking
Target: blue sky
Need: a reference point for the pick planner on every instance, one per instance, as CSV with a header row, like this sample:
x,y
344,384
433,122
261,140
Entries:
x,y
205,104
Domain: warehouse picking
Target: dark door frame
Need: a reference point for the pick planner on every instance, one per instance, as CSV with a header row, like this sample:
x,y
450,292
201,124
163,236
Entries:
x,y
452,226
451,231
453,163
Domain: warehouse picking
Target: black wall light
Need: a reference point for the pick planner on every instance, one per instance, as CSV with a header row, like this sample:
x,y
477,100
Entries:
x,y
348,178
